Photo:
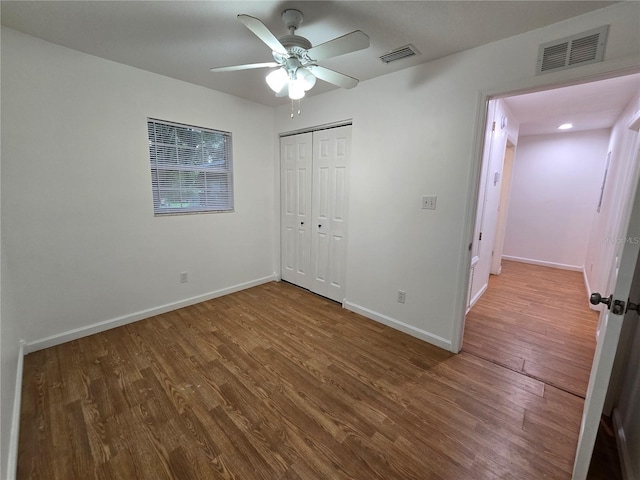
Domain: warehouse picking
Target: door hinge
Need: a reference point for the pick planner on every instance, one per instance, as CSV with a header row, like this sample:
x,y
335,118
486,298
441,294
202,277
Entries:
x,y
618,307
480,238
493,127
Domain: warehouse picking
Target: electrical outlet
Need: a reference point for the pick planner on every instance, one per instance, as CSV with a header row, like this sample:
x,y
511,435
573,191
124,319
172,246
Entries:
x,y
184,277
429,202
402,296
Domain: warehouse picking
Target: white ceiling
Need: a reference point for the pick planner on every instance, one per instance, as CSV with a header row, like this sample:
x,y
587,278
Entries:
x,y
587,106
183,39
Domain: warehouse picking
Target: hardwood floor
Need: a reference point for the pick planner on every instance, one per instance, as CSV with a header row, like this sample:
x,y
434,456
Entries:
x,y
276,383
537,321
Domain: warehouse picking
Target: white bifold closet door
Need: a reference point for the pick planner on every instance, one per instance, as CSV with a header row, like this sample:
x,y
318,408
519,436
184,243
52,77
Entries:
x,y
295,204
314,203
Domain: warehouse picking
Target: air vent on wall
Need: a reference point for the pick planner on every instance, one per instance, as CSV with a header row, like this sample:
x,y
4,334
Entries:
x,y
573,51
398,53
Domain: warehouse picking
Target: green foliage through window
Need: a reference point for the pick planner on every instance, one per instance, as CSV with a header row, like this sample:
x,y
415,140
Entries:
x,y
191,168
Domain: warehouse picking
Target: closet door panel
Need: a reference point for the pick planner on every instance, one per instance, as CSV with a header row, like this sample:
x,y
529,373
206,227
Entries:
x,y
330,196
295,185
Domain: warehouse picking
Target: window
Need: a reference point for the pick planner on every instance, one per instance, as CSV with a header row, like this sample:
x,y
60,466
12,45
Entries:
x,y
191,168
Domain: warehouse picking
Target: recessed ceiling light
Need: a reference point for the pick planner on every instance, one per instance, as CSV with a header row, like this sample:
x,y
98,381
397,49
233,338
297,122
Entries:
x,y
565,126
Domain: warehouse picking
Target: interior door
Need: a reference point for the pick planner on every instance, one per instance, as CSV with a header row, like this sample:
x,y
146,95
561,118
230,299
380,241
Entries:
x,y
295,190
503,208
331,154
611,324
495,143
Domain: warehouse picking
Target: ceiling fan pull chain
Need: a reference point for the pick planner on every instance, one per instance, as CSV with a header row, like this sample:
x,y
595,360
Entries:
x,y
292,105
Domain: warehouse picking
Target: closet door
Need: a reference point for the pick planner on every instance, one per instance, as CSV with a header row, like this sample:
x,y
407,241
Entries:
x,y
330,194
295,190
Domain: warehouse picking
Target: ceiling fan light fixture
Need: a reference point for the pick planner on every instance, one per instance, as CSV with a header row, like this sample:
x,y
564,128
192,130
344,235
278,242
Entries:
x,y
296,89
277,79
306,78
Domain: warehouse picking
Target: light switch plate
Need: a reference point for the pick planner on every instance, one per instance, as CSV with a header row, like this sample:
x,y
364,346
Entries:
x,y
429,202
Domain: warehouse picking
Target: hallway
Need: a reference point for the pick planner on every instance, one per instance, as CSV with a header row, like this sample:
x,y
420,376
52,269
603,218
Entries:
x,y
536,321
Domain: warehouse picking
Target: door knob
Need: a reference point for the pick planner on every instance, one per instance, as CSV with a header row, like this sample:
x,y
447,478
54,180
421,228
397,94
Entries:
x,y
596,298
616,306
301,223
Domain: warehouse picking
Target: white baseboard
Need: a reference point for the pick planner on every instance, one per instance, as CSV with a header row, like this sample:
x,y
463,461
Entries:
x,y
586,281
76,333
12,454
542,263
623,448
398,325
477,296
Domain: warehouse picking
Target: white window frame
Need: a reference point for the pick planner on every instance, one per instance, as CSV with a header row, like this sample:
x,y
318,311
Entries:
x,y
191,168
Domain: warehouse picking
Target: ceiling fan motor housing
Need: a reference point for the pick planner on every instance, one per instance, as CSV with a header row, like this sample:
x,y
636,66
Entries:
x,y
292,19
296,45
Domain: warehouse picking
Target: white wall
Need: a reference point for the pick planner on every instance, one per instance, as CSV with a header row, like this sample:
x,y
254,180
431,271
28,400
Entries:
x,y
9,359
415,132
602,245
554,197
9,349
80,243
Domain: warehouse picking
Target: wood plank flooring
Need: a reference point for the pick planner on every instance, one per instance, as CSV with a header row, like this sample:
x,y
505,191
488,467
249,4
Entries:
x,y
535,320
276,383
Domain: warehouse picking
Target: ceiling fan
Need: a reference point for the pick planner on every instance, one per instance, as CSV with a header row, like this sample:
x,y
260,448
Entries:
x,y
296,59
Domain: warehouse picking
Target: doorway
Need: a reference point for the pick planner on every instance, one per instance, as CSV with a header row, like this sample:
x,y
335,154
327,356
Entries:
x,y
602,262
314,184
566,359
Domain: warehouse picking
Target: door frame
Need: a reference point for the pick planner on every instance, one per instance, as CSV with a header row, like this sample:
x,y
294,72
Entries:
x,y
316,128
551,81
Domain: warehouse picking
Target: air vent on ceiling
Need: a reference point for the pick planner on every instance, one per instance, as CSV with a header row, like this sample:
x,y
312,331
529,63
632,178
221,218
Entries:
x,y
398,53
573,51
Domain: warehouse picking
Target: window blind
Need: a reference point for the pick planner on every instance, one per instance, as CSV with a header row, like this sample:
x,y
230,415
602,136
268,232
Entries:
x,y
191,168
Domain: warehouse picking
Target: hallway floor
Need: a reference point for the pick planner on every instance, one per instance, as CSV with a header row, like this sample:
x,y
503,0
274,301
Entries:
x,y
536,321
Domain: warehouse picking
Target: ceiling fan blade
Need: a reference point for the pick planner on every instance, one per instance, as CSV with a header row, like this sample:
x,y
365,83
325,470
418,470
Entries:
x,y
348,43
331,76
263,33
248,66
